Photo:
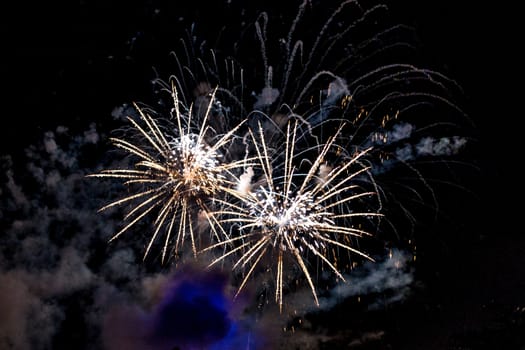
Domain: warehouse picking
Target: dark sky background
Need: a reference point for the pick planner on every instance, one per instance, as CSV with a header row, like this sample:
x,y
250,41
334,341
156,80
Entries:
x,y
71,63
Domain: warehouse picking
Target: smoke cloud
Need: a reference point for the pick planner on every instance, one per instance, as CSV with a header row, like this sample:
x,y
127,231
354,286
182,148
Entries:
x,y
58,270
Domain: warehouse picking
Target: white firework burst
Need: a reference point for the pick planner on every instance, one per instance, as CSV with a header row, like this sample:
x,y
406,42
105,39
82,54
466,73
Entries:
x,y
290,215
177,175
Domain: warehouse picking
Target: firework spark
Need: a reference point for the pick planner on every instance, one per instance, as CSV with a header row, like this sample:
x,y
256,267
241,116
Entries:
x,y
296,215
178,176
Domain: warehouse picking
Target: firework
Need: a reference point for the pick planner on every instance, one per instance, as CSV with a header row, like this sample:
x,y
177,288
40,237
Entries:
x,y
178,174
282,197
294,216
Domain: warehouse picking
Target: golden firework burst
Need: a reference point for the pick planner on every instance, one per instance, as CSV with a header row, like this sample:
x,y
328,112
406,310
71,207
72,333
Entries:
x,y
177,176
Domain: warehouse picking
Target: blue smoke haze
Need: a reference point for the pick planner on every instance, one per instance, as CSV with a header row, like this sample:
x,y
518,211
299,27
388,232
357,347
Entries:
x,y
195,311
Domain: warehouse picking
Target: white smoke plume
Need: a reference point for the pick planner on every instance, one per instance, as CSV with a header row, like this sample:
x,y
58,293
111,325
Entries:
x,y
51,236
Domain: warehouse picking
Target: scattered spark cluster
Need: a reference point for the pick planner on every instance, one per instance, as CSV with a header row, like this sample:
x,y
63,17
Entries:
x,y
285,214
286,178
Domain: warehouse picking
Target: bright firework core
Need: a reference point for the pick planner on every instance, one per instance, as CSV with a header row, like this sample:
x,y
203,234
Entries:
x,y
193,165
296,218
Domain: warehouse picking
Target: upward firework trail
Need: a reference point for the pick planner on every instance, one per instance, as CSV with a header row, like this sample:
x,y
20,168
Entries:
x,y
295,216
178,175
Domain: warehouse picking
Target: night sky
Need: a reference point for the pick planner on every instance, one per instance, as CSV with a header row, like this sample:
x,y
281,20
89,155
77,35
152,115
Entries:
x,y
68,66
